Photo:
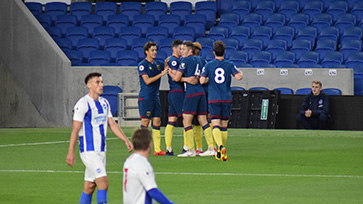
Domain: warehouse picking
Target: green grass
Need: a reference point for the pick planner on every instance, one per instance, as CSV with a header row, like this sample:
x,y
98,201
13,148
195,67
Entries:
x,y
264,166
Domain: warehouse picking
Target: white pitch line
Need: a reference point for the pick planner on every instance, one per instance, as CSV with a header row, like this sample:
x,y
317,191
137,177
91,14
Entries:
x,y
192,173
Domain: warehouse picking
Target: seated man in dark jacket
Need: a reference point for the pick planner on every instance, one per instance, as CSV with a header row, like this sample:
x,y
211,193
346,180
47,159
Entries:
x,y
314,113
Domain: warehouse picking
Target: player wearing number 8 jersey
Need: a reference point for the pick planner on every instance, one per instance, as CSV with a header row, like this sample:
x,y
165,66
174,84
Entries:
x,y
218,72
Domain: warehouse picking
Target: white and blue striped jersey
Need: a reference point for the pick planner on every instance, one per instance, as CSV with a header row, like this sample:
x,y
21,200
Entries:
x,y
94,115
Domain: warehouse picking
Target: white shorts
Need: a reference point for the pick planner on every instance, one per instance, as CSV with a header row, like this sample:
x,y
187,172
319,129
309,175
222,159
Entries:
x,y
95,163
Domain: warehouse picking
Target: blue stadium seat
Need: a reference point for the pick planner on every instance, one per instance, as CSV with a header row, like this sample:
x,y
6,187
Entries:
x,y
206,43
111,94
75,56
209,9
322,20
80,9
300,46
35,7
138,46
307,33
332,91
229,20
130,33
350,46
360,24
64,22
130,9
336,8
303,91
161,56
308,58
240,33
231,46
44,19
181,9
237,88
357,9
54,32
285,91
312,8
76,33
114,45
251,46
330,32
165,45
127,58
275,21
99,57
252,20
276,46
265,8
288,8
117,22
156,9
105,9
260,58
351,33
238,57
102,33
284,58
156,33
355,61
325,45
198,22
86,45
241,8
286,33
90,22
208,56
224,6
258,89
298,20
184,33
345,20
143,21
218,33
331,59
64,43
53,9
169,21
264,33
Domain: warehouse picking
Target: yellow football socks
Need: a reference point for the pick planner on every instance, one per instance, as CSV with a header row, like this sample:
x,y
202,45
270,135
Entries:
x,y
168,135
156,138
217,136
198,132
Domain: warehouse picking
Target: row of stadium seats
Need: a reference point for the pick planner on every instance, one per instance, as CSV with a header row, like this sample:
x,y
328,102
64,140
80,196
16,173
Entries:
x,y
289,91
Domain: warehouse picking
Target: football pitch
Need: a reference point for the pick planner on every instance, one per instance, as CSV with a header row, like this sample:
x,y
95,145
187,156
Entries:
x,y
264,166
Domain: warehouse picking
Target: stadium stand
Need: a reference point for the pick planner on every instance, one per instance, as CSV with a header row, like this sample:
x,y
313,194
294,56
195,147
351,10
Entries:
x,y
285,91
198,22
156,33
117,21
143,21
35,7
209,9
184,33
181,9
86,45
80,9
130,9
156,9
90,22
53,9
138,46
127,58
111,94
105,9
99,57
169,21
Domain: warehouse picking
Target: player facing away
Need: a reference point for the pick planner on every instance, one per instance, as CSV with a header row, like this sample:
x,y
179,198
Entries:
x,y
194,101
139,185
150,73
92,116
218,72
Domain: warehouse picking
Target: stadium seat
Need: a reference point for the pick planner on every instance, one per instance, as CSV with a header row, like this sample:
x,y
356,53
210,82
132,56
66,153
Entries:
x,y
184,33
105,9
156,33
251,46
114,45
75,56
284,58
298,20
240,33
345,20
90,22
143,21
252,20
241,8
181,9
276,46
44,19
336,8
54,32
288,8
117,22
300,46
35,7
64,43
355,61
325,45
130,9
86,45
99,57
208,56
265,8
351,33
322,20
264,33
218,33
102,33
238,57
65,21
274,21
53,9
357,9
138,46
127,58
260,58
307,33
169,21
350,46
156,9
331,59
130,33
206,43
308,58
161,56
224,6
111,94
258,89
209,9
332,91
312,8
303,91
286,33
229,20
80,9
310,66
237,88
330,32
198,22
231,45
285,91
76,33
165,45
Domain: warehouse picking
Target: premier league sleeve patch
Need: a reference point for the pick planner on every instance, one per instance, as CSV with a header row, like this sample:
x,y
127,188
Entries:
x,y
141,68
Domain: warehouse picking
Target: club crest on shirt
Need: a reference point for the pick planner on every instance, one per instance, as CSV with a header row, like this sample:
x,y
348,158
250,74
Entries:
x,y
150,68
158,66
141,68
320,101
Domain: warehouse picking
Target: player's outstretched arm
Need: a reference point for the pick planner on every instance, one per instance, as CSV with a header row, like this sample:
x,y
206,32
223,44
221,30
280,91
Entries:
x,y
119,133
203,80
239,75
158,196
148,80
71,159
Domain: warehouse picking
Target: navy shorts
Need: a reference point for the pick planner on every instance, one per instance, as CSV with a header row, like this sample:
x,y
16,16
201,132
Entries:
x,y
149,109
220,111
175,100
195,105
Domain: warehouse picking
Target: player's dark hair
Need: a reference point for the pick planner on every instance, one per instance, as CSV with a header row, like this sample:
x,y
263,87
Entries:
x,y
219,48
189,44
90,76
148,45
141,139
176,43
